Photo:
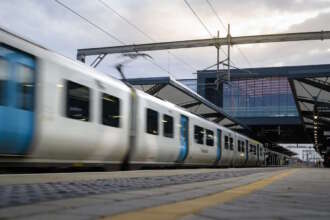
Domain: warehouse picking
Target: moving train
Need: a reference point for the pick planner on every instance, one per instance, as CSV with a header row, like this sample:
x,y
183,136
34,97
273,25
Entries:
x,y
56,111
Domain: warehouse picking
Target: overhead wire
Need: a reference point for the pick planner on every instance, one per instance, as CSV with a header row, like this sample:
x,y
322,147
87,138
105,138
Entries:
x,y
106,32
199,18
203,24
106,5
90,22
224,26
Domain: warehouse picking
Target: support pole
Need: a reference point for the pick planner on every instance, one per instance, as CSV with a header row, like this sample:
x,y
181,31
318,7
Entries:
x,y
218,62
228,53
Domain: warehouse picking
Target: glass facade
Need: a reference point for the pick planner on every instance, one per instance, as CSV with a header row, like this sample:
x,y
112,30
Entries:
x,y
261,97
250,98
190,83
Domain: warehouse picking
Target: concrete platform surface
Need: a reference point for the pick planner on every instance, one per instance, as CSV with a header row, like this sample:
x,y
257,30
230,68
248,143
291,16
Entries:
x,y
249,193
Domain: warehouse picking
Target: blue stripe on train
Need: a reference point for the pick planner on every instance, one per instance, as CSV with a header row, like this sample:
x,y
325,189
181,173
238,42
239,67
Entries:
x,y
183,138
219,134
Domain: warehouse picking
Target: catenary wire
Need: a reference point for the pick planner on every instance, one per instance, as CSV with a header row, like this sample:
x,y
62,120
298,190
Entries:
x,y
107,33
199,18
204,25
224,26
106,5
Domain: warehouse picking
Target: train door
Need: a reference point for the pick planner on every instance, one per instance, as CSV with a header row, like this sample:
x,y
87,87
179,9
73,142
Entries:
x,y
17,80
184,138
219,135
247,151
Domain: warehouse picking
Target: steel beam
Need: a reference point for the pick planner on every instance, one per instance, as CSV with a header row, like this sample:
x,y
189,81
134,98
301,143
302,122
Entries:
x,y
156,88
316,83
314,102
320,35
211,115
189,105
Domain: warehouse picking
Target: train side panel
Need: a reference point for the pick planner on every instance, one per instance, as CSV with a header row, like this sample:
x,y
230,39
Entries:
x,y
153,145
202,147
88,139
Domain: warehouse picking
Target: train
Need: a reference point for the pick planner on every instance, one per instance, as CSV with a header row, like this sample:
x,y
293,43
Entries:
x,y
55,111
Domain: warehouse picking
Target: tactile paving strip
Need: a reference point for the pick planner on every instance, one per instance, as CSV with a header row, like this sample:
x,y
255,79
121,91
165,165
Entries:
x,y
21,194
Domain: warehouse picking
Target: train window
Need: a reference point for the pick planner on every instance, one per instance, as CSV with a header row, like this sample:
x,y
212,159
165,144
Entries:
x,y
110,110
25,87
168,126
209,138
152,122
199,134
77,101
3,80
238,145
231,143
242,146
226,142
260,151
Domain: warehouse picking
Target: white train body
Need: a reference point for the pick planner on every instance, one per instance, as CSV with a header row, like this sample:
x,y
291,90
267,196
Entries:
x,y
82,116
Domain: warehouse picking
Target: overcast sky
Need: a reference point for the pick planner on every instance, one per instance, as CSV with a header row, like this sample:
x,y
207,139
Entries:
x,y
53,26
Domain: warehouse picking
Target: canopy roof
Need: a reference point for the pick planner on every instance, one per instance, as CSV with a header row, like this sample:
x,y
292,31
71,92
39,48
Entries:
x,y
169,89
312,95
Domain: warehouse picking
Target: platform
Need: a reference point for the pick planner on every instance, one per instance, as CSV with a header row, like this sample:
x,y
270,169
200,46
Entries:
x,y
241,193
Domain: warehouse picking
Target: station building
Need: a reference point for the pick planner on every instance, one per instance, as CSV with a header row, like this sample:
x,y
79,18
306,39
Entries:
x,y
289,104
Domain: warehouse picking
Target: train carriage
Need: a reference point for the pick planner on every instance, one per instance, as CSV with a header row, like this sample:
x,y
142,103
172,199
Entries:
x,y
57,111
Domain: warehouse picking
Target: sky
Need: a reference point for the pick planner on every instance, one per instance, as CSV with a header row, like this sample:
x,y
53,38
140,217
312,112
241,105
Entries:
x,y
51,25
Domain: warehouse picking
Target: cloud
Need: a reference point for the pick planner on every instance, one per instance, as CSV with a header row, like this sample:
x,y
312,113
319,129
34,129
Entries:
x,y
53,26
317,23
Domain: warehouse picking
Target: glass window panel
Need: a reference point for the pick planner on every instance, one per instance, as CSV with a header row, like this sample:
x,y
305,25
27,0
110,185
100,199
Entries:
x,y
25,87
168,126
231,143
238,145
199,134
152,122
209,138
110,110
78,97
226,142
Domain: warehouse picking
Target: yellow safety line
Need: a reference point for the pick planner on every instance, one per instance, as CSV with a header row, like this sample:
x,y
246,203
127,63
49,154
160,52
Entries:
x,y
180,209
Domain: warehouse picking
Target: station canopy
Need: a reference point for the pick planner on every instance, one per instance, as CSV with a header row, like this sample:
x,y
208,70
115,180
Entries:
x,y
283,150
312,95
167,88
